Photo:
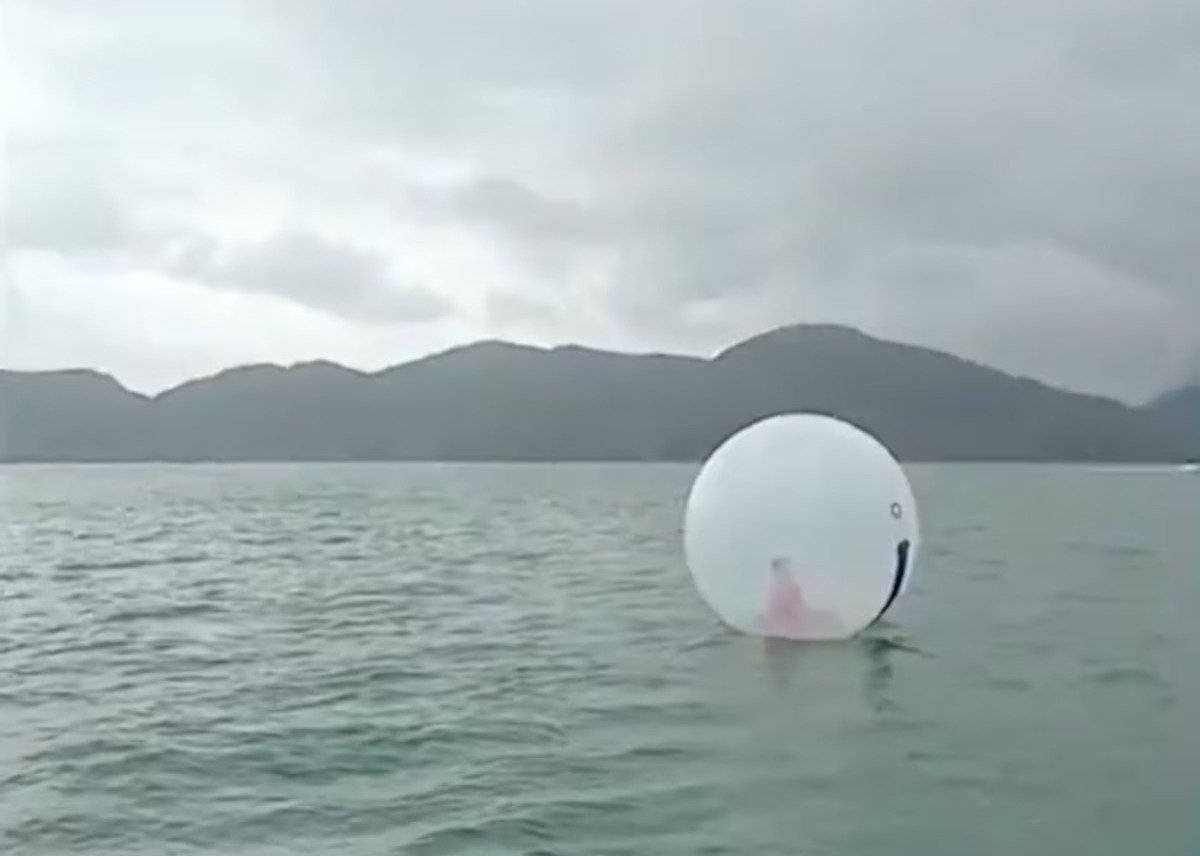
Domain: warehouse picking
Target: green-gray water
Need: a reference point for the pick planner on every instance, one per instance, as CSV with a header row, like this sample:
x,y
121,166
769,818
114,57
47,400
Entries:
x,y
424,659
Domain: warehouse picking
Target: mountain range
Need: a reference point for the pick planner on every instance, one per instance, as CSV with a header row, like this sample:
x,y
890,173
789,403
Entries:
x,y
500,401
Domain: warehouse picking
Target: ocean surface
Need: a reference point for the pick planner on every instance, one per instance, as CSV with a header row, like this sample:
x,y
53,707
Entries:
x,y
509,659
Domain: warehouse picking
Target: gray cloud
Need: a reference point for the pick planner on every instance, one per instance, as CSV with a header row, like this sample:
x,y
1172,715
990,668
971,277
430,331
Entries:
x,y
310,270
524,214
1019,182
62,195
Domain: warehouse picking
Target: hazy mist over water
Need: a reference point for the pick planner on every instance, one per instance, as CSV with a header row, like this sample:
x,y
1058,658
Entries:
x,y
459,659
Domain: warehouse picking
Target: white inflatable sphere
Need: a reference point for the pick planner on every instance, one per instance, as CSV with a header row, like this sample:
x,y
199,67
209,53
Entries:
x,y
800,526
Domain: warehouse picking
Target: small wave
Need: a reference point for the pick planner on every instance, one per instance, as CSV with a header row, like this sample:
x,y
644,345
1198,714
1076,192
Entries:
x,y
718,636
267,558
454,838
526,555
328,699
477,732
158,534
1129,550
263,540
464,650
116,565
175,610
91,747
655,752
1126,675
128,564
89,647
91,536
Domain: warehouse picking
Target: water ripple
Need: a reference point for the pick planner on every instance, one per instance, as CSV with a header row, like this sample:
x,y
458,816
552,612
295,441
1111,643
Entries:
x,y
269,660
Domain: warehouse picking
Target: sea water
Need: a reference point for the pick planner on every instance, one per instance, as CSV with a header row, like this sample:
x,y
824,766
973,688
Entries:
x,y
510,659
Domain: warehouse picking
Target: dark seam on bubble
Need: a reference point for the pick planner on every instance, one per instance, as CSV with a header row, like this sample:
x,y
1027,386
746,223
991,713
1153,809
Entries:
x,y
898,580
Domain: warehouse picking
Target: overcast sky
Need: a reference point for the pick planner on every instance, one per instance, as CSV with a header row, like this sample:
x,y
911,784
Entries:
x,y
194,185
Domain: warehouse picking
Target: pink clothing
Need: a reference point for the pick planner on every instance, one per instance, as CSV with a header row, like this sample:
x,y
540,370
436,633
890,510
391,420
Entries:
x,y
785,607
786,613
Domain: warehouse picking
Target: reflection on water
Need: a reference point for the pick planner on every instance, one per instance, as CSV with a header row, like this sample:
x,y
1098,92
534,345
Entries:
x,y
803,678
864,662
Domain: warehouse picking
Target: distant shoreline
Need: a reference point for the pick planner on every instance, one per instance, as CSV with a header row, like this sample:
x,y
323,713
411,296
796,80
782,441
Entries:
x,y
494,402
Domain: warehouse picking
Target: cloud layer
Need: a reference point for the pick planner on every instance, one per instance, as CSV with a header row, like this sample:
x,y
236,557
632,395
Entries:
x,y
1017,182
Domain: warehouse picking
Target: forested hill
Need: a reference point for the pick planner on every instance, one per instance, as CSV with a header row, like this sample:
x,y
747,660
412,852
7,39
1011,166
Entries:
x,y
499,401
